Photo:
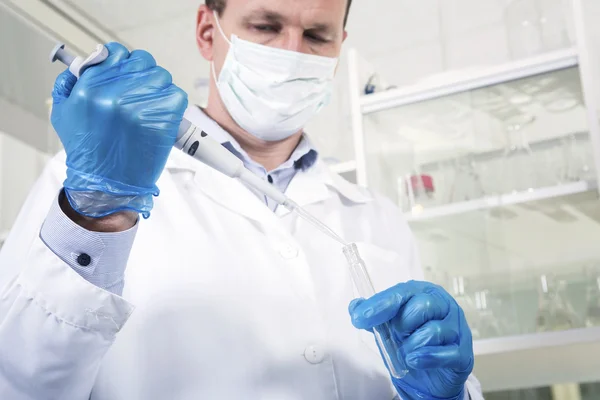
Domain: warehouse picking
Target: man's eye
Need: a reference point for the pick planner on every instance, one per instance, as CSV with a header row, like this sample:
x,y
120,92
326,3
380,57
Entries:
x,y
315,38
266,28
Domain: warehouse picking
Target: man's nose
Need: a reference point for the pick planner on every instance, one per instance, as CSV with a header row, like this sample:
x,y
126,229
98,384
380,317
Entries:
x,y
293,40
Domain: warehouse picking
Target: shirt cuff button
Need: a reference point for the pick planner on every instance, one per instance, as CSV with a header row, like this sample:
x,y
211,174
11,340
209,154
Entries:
x,y
84,259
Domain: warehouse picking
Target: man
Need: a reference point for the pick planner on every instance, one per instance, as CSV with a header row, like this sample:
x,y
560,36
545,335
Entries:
x,y
234,296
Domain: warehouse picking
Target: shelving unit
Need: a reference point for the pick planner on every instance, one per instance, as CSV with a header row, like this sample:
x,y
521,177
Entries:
x,y
504,233
463,81
490,202
460,82
545,356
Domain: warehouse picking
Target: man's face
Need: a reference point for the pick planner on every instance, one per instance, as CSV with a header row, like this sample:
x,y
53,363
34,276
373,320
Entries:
x,y
306,26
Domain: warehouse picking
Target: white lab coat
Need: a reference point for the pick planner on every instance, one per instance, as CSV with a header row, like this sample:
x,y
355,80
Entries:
x,y
232,301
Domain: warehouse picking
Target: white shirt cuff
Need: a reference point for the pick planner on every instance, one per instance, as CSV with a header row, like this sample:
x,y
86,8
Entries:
x,y
100,258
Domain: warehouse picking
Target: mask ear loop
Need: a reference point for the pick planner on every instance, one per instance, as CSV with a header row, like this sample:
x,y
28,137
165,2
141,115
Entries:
x,y
214,73
221,29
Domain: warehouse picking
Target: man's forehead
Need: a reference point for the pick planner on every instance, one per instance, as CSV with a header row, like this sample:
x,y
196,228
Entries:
x,y
314,12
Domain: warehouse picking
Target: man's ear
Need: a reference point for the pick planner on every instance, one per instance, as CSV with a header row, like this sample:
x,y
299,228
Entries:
x,y
345,36
205,28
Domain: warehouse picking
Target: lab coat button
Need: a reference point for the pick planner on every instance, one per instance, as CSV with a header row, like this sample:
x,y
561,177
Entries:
x,y
288,252
314,354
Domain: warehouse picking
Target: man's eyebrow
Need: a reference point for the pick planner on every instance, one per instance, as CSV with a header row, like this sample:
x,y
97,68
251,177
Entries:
x,y
273,17
265,15
321,28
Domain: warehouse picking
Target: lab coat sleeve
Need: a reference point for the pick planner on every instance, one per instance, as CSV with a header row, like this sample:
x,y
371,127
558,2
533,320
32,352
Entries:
x,y
55,326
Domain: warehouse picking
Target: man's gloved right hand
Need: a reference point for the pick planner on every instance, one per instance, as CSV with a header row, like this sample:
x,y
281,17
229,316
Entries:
x,y
118,124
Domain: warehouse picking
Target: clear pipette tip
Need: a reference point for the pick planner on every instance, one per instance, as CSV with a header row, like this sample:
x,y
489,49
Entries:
x,y
292,206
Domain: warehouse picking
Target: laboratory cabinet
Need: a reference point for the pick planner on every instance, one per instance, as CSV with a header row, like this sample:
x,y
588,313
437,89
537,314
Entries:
x,y
496,171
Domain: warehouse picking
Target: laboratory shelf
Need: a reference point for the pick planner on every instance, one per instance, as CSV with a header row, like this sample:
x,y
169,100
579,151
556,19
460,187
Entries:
x,y
539,359
491,202
463,81
496,169
525,135
532,341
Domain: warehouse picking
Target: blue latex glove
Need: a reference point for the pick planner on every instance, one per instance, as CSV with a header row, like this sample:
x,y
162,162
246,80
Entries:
x,y
432,333
118,124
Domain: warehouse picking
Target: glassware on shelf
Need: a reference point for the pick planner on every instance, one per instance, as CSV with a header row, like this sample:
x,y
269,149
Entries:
x,y
536,26
570,171
555,312
524,36
592,317
576,154
511,143
478,306
561,92
403,195
562,103
419,190
489,323
465,301
553,24
467,183
519,168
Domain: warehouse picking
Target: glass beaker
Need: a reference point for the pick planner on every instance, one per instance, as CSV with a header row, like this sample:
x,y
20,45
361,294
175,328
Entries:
x,y
458,287
467,183
536,26
553,24
555,312
592,317
490,324
523,25
519,170
576,158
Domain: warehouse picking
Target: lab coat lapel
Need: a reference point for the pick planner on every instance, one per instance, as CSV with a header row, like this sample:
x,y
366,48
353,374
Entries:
x,y
308,187
228,192
232,194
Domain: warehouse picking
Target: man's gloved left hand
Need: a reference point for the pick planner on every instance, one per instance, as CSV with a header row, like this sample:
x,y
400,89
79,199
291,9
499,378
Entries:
x,y
431,332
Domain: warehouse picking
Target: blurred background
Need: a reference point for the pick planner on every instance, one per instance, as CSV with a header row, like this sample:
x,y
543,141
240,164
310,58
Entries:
x,y
478,117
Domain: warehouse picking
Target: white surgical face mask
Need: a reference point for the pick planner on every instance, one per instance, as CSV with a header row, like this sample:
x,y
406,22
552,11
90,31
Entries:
x,y
272,93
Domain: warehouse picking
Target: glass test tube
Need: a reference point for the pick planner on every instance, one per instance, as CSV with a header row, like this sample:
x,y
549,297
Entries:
x,y
384,335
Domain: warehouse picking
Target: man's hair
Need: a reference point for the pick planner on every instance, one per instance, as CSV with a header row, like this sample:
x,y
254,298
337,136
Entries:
x,y
219,6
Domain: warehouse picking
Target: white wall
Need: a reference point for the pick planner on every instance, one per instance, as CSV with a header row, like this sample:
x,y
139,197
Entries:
x,y
406,42
20,166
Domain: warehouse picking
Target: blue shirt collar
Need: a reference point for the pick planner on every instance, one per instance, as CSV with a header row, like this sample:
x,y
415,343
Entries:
x,y
302,158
